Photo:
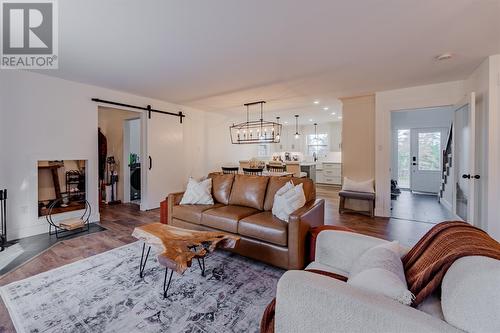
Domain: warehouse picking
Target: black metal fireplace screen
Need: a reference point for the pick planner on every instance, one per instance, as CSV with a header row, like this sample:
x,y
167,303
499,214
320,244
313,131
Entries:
x,y
3,219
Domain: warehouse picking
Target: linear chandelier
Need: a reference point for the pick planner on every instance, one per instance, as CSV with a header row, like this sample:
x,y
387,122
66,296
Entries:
x,y
255,131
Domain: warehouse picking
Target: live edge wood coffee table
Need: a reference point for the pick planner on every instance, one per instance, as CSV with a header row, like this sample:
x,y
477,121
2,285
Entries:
x,y
179,246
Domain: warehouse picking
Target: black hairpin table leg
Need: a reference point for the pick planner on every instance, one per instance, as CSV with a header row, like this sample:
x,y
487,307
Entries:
x,y
143,261
201,263
165,285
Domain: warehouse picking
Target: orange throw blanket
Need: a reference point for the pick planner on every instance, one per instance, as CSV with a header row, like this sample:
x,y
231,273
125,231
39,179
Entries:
x,y
427,262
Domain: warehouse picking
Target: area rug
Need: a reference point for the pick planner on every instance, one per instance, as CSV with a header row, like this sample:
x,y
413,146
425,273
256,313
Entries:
x,y
104,293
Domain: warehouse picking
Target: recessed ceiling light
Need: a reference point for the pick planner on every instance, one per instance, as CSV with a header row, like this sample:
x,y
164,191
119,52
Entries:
x,y
316,102
310,120
326,108
286,122
444,56
340,117
333,113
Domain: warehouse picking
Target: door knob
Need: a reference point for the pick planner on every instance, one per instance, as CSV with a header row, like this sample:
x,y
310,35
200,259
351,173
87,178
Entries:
x,y
465,176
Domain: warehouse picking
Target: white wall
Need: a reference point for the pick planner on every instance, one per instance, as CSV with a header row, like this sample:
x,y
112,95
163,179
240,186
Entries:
x,y
33,107
434,95
422,118
135,136
220,151
486,82
494,149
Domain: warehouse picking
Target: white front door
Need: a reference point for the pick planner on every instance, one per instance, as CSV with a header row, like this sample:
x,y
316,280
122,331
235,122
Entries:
x,y
426,158
467,180
164,159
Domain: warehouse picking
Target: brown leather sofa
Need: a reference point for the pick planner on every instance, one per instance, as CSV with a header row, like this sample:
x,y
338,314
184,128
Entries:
x,y
243,206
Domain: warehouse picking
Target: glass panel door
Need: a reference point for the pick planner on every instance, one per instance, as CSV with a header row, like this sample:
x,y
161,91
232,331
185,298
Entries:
x,y
426,159
404,158
429,151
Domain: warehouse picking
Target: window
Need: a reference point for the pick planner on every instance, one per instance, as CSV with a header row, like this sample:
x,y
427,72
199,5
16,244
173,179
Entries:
x,y
263,150
429,151
404,158
317,144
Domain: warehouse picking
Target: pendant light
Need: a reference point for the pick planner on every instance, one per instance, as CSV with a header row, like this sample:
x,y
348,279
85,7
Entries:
x,y
277,132
297,135
255,131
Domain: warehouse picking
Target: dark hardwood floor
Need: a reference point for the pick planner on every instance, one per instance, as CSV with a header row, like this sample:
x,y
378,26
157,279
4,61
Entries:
x,y
120,221
420,207
405,231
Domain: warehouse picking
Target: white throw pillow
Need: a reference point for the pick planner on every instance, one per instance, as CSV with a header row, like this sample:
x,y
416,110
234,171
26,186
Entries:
x,y
380,270
288,199
352,185
198,193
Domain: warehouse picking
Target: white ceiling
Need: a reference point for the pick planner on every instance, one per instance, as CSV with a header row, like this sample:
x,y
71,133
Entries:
x,y
216,55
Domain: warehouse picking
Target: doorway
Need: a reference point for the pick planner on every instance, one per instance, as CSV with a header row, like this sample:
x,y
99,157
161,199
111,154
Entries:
x,y
132,154
120,156
419,139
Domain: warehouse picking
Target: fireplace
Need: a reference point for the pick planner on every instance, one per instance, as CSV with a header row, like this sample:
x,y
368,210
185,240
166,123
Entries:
x,y
61,186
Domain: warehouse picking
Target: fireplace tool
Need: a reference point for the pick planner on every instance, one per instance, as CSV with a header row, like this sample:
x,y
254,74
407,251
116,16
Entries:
x,y
3,219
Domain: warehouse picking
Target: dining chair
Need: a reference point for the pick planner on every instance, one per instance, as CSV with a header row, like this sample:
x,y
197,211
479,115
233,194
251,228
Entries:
x,y
276,168
230,170
252,171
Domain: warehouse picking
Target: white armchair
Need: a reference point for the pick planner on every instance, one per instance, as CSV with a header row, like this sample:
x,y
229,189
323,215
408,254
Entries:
x,y
309,302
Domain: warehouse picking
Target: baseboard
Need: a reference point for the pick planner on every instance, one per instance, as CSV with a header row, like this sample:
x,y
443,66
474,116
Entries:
x,y
445,203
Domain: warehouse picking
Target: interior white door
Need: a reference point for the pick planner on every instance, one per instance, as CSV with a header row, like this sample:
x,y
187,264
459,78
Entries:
x,y
464,158
426,158
164,159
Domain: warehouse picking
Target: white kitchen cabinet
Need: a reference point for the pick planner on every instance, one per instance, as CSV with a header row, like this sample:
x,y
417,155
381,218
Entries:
x,y
331,173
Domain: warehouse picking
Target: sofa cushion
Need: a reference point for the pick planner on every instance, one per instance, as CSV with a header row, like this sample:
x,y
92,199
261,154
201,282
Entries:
x,y
357,195
249,191
275,183
470,297
358,186
191,213
226,217
264,226
221,187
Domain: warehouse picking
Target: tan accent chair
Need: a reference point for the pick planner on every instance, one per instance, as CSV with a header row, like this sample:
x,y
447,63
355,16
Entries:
x,y
243,206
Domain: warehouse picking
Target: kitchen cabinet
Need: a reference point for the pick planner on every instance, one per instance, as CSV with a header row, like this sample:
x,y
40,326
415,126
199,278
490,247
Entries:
x,y
310,169
330,173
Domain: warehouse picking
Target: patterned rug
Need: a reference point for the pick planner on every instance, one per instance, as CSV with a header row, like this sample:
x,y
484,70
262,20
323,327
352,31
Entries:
x,y
104,293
